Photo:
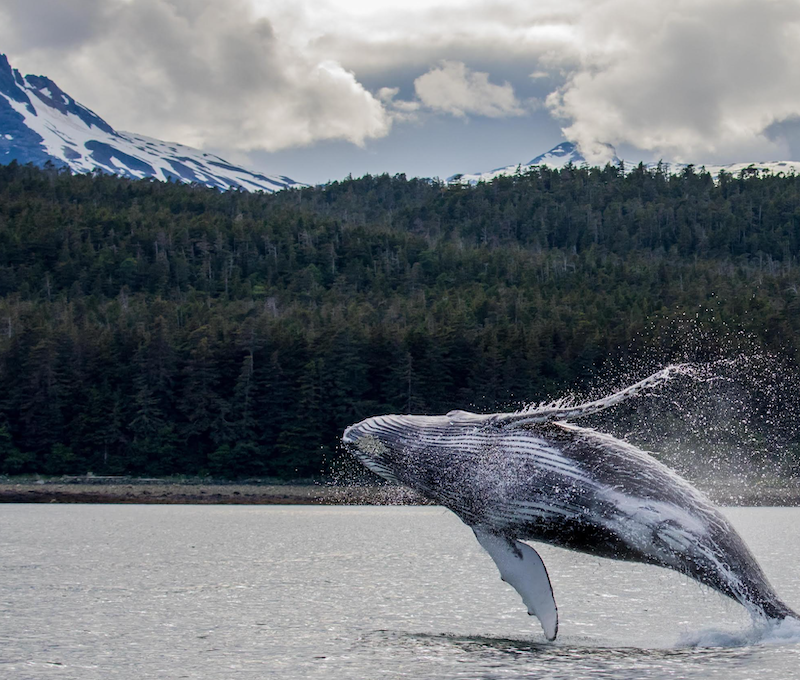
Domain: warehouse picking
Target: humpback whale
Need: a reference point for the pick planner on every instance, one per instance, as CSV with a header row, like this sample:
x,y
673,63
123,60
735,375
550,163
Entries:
x,y
533,475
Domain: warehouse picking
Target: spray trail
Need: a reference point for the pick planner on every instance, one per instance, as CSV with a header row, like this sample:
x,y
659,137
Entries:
x,y
564,410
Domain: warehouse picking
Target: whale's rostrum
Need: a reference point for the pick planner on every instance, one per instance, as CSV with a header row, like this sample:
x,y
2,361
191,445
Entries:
x,y
531,475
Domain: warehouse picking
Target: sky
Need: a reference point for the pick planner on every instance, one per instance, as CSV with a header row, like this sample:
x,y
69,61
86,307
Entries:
x,y
320,89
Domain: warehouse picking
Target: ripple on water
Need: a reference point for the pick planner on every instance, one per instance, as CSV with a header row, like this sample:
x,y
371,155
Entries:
x,y
448,655
348,593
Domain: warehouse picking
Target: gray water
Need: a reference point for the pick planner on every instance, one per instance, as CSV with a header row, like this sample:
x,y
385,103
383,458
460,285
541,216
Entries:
x,y
93,591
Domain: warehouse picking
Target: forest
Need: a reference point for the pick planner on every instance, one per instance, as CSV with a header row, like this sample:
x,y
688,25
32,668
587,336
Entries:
x,y
159,329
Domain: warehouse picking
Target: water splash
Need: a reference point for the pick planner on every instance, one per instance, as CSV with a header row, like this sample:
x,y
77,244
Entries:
x,y
761,632
567,408
730,425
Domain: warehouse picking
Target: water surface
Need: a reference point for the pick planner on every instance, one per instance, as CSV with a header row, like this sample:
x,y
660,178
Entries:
x,y
132,592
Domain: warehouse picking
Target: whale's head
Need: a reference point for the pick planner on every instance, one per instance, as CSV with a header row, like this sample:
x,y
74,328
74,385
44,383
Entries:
x,y
415,450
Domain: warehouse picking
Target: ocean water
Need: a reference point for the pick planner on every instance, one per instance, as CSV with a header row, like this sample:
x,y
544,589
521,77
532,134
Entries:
x,y
131,592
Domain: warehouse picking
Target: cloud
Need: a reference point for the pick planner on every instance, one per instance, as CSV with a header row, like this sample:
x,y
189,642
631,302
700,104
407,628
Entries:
x,y
489,35
202,72
696,80
455,89
689,79
276,74
400,110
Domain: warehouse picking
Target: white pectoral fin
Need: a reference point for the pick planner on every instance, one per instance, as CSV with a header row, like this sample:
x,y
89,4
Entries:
x,y
521,567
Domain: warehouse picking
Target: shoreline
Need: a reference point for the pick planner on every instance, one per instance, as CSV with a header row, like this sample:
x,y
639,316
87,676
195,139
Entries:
x,y
153,491
192,493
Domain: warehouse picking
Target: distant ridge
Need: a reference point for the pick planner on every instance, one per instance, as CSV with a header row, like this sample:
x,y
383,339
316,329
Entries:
x,y
558,157
39,122
568,152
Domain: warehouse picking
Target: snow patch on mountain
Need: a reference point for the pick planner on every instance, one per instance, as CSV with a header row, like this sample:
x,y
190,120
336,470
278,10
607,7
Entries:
x,y
568,153
39,123
736,169
558,157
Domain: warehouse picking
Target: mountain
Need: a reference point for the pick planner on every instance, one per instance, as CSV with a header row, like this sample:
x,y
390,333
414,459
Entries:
x,y
735,169
558,157
568,152
39,122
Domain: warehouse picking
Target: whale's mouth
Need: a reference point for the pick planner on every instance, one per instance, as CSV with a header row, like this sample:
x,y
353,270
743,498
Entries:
x,y
349,438
369,450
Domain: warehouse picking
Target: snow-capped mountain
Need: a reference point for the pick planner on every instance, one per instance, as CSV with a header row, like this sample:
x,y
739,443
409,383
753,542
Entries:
x,y
558,157
735,169
567,152
39,123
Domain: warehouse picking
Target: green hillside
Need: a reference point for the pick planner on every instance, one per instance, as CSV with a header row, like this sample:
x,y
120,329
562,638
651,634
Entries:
x,y
156,329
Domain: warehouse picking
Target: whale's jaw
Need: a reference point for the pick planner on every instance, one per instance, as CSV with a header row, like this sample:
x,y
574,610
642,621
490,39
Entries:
x,y
370,451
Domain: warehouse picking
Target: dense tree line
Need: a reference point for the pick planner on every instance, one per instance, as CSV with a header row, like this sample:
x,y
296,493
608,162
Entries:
x,y
157,328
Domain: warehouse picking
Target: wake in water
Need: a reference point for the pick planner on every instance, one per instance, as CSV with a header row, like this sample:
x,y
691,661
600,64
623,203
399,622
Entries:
x,y
761,632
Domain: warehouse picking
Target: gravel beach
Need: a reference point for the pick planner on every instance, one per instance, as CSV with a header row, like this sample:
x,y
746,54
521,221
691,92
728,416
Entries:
x,y
151,491
124,490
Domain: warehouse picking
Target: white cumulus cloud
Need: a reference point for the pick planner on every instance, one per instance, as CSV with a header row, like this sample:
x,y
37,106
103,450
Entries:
x,y
693,80
455,89
687,79
202,72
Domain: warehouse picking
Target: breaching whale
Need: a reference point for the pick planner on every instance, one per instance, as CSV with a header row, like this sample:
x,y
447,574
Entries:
x,y
532,475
